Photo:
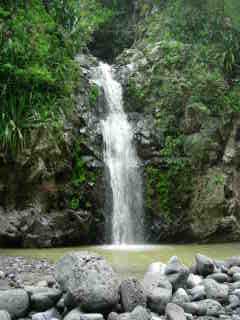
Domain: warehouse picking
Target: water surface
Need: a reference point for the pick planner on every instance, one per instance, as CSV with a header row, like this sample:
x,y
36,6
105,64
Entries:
x,y
134,260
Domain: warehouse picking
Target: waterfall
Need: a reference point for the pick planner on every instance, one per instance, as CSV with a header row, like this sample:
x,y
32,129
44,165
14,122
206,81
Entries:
x,y
121,162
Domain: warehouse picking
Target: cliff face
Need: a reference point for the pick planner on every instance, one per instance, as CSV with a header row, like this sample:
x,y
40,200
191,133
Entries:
x,y
183,101
181,94
52,194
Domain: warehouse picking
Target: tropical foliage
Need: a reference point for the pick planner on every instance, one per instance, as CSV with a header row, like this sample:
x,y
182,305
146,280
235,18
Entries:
x,y
38,75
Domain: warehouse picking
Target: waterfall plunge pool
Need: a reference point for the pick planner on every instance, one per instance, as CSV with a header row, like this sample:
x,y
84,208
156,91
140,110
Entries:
x,y
134,260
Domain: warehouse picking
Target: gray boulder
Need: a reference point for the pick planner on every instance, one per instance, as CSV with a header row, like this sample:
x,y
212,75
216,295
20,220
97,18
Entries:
x,y
132,295
193,280
207,307
43,298
177,273
205,265
198,293
139,313
219,277
158,290
155,280
234,270
234,302
4,315
15,301
112,316
236,277
235,285
158,299
47,315
174,312
90,279
77,314
216,291
180,297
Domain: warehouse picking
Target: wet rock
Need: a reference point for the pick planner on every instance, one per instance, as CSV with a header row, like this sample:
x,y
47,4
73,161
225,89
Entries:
x,y
174,312
90,280
4,315
15,301
205,265
216,291
132,295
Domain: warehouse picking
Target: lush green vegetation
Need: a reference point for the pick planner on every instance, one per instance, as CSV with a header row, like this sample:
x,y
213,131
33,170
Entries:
x,y
83,180
38,75
190,82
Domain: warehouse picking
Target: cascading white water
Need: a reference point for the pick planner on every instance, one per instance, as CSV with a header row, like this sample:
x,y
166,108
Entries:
x,y
122,163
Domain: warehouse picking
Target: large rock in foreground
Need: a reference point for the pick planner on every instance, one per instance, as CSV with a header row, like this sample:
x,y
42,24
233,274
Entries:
x,y
132,295
90,280
15,302
4,315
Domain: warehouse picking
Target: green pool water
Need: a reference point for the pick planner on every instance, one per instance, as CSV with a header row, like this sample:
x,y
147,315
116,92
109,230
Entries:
x,y
134,260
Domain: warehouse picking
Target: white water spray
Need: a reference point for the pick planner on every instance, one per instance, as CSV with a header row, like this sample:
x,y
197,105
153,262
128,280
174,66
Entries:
x,y
122,163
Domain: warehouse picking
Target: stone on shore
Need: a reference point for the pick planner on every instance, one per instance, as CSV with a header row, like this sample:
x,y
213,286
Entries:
x,y
4,315
180,297
204,265
216,291
132,295
47,315
90,279
15,302
43,298
174,312
77,314
177,273
158,290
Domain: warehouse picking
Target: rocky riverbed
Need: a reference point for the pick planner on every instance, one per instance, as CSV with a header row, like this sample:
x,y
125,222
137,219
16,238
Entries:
x,y
20,271
83,286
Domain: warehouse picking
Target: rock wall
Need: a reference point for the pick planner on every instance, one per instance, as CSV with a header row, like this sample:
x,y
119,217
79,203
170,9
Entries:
x,y
186,128
52,194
